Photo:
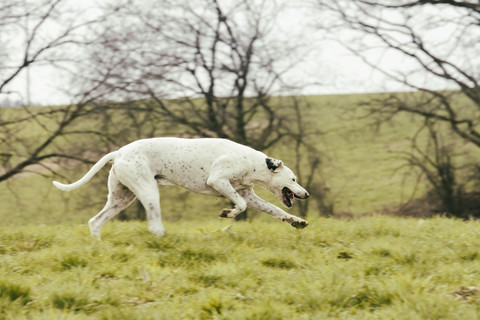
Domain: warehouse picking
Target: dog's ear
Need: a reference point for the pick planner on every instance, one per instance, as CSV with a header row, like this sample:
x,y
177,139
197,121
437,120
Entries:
x,y
273,164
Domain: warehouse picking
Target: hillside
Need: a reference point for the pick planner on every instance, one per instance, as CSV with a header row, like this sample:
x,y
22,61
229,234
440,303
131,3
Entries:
x,y
360,167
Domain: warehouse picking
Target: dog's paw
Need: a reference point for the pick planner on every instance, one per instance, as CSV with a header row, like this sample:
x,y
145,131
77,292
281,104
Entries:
x,y
226,213
300,224
158,231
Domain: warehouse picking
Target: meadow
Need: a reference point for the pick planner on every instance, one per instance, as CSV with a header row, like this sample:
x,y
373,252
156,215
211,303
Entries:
x,y
369,268
374,267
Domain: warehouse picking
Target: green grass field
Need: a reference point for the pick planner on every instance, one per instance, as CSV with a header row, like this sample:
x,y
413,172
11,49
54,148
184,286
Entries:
x,y
370,268
376,267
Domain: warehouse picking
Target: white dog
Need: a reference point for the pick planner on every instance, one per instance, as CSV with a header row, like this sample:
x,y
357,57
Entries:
x,y
206,166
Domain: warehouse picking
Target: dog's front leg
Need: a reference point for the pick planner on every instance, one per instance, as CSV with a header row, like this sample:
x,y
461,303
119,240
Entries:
x,y
255,202
224,187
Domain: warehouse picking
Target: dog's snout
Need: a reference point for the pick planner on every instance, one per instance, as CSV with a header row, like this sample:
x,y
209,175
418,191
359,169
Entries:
x,y
302,195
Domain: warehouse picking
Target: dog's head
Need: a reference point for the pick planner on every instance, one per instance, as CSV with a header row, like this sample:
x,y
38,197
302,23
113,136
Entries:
x,y
283,183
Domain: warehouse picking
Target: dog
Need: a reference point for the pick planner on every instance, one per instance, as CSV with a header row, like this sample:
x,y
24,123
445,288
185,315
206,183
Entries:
x,y
210,166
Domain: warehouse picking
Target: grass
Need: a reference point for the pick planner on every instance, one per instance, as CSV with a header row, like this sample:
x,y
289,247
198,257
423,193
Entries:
x,y
370,268
210,268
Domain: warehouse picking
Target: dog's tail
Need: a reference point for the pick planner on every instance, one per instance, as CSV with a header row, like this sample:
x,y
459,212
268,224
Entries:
x,y
96,167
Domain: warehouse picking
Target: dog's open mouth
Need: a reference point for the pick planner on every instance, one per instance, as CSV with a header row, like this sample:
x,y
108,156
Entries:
x,y
288,197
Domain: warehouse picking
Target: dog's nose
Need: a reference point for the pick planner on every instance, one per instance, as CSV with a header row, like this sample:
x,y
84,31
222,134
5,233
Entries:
x,y
306,195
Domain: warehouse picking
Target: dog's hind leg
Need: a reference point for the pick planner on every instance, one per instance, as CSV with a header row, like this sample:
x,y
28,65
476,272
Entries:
x,y
150,199
119,198
142,183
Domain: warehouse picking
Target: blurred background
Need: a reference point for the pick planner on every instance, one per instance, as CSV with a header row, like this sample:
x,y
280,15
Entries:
x,y
375,104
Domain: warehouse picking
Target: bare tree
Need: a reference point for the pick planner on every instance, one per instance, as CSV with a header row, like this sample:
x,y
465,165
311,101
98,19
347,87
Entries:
x,y
439,38
436,158
201,68
219,60
44,33
437,45
29,135
309,159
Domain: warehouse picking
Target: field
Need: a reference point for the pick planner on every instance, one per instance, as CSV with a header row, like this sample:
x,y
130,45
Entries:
x,y
375,267
369,268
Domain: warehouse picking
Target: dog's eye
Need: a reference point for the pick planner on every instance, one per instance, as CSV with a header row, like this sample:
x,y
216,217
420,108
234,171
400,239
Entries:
x,y
293,179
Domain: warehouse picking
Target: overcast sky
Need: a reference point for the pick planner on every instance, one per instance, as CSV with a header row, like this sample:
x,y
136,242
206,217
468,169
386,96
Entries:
x,y
328,65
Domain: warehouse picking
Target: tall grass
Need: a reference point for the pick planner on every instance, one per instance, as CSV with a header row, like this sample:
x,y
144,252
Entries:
x,y
370,268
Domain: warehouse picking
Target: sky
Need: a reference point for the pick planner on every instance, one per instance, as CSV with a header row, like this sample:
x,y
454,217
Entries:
x,y
333,70
329,67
